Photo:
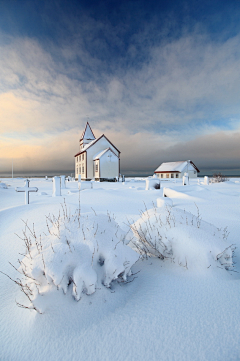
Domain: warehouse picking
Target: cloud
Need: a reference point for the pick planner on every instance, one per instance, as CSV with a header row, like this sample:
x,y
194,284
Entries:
x,y
181,101
49,153
214,151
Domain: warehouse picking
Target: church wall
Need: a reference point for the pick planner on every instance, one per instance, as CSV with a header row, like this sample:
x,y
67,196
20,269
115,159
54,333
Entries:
x,y
109,167
80,166
96,168
76,167
100,145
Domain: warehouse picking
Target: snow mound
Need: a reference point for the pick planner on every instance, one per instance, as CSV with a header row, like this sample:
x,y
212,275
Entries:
x,y
168,232
152,184
81,251
42,194
73,191
171,193
164,201
3,185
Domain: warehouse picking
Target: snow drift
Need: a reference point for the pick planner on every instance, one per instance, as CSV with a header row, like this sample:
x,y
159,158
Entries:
x,y
81,251
168,232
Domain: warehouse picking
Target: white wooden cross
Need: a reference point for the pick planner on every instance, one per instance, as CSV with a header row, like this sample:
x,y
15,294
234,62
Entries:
x,y
26,189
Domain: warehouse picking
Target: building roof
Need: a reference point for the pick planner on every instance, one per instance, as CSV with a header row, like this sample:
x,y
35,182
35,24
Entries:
x,y
100,154
174,166
88,133
92,143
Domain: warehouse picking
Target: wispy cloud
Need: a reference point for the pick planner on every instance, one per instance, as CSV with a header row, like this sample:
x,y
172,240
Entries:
x,y
180,101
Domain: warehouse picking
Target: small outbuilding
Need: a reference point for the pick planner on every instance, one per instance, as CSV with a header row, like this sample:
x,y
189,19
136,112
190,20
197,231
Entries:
x,y
177,169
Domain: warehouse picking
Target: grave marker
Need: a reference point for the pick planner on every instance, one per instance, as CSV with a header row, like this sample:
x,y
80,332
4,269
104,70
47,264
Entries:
x,y
56,186
63,182
185,179
206,181
26,189
152,183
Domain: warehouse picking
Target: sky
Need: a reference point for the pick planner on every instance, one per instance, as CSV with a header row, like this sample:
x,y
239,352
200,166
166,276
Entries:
x,y
161,79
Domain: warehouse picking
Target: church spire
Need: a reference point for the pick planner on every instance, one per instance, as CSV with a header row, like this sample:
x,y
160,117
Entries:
x,y
87,133
87,136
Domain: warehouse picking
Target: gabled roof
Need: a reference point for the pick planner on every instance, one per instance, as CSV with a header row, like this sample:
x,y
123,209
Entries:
x,y
99,155
93,142
174,167
87,133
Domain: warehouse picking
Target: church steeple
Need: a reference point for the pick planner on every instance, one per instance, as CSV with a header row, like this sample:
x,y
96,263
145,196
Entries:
x,y
87,136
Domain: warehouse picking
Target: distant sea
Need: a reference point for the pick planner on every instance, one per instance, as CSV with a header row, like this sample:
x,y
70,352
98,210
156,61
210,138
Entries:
x,y
35,174
209,173
228,174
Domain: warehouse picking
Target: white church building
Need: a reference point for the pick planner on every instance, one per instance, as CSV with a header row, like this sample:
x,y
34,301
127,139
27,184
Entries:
x,y
98,158
177,169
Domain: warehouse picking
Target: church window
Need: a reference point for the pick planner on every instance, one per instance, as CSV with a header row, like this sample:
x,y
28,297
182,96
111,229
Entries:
x,y
96,168
82,169
172,175
83,156
77,170
161,175
176,175
167,175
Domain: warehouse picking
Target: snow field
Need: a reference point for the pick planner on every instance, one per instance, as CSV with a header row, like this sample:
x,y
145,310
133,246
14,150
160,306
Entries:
x,y
168,312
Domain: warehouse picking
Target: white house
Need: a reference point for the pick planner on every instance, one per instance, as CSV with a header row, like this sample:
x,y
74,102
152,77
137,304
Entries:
x,y
177,169
97,158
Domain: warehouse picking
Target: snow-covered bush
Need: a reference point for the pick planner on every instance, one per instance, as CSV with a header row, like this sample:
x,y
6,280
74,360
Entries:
x,y
218,178
84,251
169,232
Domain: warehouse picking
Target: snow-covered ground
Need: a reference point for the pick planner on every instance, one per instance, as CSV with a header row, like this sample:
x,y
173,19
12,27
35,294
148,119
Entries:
x,y
185,307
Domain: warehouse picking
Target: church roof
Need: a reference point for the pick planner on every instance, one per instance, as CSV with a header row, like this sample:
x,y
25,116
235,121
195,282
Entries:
x,y
93,142
88,133
100,154
174,166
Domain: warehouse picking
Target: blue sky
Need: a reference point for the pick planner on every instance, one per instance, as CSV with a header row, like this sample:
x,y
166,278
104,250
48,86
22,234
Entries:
x,y
160,79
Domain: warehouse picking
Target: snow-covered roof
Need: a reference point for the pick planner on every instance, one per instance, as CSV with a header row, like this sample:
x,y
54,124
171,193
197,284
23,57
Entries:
x,y
88,133
174,166
100,154
93,142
